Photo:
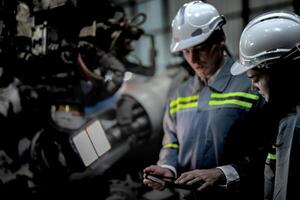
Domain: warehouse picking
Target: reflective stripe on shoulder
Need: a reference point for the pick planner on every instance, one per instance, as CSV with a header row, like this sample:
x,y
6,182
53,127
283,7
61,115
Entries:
x,y
183,103
242,99
230,101
171,146
235,94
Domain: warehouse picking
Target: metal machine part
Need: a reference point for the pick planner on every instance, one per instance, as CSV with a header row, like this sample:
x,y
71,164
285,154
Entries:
x,y
51,139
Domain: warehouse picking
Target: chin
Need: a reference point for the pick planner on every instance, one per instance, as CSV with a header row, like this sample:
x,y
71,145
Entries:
x,y
200,75
266,98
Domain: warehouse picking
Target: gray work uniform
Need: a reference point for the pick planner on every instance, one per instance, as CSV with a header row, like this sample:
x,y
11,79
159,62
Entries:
x,y
286,175
199,118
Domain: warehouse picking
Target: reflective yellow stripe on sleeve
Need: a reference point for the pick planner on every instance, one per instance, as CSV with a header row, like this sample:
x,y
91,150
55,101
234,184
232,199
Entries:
x,y
271,156
171,146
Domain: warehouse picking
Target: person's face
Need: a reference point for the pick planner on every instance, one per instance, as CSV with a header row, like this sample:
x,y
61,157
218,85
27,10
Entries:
x,y
205,59
260,82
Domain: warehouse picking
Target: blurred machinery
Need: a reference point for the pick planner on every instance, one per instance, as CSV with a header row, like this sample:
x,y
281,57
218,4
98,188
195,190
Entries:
x,y
58,58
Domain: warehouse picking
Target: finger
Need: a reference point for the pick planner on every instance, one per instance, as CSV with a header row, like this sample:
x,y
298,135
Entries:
x,y
153,184
196,179
180,179
146,181
161,187
203,186
185,178
150,169
156,186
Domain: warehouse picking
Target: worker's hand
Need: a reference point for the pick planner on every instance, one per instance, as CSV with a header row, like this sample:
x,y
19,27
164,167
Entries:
x,y
207,178
157,170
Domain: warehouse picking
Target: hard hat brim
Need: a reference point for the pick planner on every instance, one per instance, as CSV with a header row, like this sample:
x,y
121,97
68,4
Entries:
x,y
238,68
179,46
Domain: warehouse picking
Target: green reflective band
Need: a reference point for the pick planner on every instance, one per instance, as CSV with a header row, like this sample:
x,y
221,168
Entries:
x,y
171,146
234,94
271,156
230,101
183,106
183,100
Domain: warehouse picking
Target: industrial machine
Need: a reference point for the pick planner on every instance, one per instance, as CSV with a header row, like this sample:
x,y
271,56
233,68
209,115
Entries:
x,y
72,125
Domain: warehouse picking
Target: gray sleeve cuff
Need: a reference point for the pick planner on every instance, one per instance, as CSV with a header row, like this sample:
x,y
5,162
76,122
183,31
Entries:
x,y
230,173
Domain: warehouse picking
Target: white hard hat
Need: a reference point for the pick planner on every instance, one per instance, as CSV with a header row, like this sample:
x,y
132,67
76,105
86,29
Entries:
x,y
265,39
193,24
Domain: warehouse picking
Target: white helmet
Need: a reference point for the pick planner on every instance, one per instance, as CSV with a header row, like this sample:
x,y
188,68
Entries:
x,y
265,39
193,24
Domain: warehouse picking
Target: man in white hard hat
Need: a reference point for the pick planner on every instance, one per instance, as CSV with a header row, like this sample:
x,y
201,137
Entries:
x,y
270,54
204,109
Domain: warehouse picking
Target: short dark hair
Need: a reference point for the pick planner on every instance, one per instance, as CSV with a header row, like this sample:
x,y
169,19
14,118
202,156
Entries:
x,y
217,36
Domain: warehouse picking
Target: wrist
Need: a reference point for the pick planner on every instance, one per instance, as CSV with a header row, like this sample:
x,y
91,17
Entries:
x,y
172,170
221,178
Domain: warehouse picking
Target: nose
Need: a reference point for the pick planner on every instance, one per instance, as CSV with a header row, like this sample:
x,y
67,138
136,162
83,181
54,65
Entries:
x,y
253,86
195,56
